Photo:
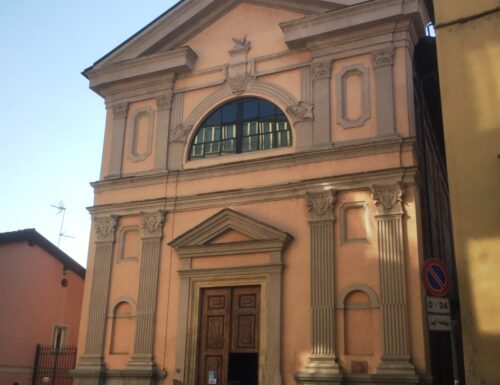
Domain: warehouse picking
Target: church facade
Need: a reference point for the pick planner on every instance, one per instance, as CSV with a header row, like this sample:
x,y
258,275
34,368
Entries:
x,y
259,215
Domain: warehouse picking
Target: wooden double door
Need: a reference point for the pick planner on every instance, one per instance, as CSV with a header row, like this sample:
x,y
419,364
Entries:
x,y
229,336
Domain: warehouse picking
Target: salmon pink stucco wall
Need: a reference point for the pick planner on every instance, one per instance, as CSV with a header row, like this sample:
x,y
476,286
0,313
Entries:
x,y
32,303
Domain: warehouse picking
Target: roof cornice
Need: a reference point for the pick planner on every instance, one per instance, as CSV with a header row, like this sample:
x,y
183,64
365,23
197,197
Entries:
x,y
176,61
300,32
33,237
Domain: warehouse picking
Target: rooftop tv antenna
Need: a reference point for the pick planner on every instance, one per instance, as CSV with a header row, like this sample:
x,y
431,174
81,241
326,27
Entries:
x,y
61,209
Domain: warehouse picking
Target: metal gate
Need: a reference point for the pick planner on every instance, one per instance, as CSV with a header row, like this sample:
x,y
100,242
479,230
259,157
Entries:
x,y
52,365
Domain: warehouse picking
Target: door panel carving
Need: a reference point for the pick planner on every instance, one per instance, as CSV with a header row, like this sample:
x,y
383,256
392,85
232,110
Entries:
x,y
229,323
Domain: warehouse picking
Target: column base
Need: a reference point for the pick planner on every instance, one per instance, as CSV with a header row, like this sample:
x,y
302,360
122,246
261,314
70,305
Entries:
x,y
323,365
388,366
307,378
85,376
141,362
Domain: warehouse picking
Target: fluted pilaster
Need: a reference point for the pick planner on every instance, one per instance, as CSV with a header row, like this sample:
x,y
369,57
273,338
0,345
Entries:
x,y
152,227
393,304
99,292
321,221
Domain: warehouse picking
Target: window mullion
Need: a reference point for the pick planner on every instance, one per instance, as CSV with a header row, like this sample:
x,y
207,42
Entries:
x,y
239,126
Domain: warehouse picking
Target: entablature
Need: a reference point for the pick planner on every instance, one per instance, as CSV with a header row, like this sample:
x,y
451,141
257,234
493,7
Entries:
x,y
341,22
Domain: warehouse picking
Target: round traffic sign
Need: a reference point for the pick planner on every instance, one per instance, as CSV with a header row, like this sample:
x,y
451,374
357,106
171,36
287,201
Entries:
x,y
435,277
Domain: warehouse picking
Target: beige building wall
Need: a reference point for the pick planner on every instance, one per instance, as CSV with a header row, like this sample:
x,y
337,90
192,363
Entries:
x,y
468,45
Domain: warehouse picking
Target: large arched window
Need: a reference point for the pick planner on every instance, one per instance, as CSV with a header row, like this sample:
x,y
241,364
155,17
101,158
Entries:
x,y
242,125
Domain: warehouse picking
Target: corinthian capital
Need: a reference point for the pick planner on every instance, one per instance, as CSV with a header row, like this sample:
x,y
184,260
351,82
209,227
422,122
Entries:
x,y
120,110
105,228
388,198
321,204
321,70
383,57
152,223
164,102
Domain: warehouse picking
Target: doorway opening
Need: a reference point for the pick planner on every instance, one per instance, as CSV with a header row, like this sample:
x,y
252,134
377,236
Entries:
x,y
229,336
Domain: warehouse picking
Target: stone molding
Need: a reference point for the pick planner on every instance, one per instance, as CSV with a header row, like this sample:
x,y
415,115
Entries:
x,y
393,299
388,199
267,276
343,222
180,133
188,18
263,193
132,153
301,32
321,205
374,302
164,106
341,90
121,245
321,70
322,359
152,224
196,242
105,228
164,102
321,74
383,57
92,357
152,227
384,91
301,112
120,110
123,298
236,73
340,151
269,90
178,60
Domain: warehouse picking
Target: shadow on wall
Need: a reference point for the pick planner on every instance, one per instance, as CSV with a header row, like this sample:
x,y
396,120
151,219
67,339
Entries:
x,y
470,64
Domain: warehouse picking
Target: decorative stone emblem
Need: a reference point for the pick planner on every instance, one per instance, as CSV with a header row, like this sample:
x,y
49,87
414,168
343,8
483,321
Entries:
x,y
321,204
301,112
179,134
164,102
321,70
152,223
383,57
388,198
236,73
105,228
120,110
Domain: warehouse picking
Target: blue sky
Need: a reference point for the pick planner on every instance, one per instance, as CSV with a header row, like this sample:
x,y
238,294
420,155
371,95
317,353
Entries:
x,y
52,124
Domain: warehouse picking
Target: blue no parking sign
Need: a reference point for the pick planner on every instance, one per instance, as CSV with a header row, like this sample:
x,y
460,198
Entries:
x,y
435,277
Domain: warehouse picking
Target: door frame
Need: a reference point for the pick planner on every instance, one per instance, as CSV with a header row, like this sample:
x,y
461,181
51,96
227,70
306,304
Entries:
x,y
268,277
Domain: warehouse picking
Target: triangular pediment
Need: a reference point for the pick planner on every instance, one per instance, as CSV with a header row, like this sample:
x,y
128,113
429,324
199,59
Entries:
x,y
172,29
230,232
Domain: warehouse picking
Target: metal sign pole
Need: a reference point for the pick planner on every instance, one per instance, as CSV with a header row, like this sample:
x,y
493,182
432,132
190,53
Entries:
x,y
454,360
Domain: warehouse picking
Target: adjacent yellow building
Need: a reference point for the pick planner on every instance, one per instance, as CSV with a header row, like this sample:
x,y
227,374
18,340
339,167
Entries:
x,y
468,41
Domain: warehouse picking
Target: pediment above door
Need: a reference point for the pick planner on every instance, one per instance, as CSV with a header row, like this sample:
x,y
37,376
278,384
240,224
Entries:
x,y
230,232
